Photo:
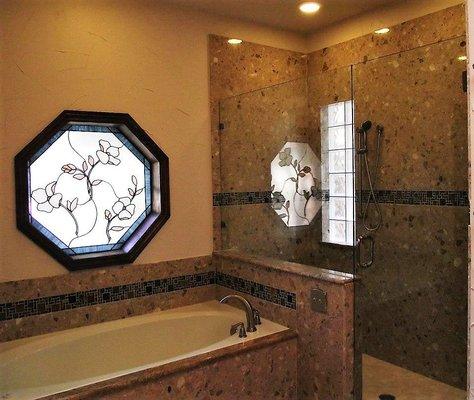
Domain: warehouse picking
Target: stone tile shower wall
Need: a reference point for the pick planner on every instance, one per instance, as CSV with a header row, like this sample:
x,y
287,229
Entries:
x,y
242,69
412,303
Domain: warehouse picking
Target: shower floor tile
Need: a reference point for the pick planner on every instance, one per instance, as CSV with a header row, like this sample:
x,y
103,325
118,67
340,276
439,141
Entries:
x,y
380,377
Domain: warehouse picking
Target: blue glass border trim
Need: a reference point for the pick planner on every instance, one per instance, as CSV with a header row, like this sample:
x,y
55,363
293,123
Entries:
x,y
46,146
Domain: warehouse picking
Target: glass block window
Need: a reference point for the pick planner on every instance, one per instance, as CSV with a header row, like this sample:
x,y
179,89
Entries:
x,y
92,189
337,173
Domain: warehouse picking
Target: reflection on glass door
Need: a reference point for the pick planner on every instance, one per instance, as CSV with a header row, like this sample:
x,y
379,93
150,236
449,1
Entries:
x,y
411,303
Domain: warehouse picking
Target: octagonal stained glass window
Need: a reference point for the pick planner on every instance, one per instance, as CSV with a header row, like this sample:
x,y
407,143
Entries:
x,y
92,189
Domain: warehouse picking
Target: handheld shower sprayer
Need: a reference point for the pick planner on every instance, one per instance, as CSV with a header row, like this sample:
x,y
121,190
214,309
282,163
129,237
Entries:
x,y
362,131
362,151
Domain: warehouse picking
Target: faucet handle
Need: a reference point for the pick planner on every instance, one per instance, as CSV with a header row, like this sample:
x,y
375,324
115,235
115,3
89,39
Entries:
x,y
240,327
256,316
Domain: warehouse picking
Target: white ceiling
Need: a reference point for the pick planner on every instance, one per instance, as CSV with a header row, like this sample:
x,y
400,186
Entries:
x,y
284,14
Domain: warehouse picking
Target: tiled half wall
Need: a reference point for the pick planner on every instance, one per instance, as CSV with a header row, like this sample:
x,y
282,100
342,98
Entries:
x,y
280,290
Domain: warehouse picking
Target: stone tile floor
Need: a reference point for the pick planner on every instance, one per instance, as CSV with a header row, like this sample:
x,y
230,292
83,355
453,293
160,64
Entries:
x,y
380,377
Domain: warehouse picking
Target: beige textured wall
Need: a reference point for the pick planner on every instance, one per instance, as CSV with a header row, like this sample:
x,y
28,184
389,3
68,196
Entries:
x,y
390,15
130,56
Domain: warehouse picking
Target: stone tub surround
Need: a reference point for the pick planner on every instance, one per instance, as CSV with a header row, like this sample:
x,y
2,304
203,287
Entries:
x,y
46,305
255,370
92,297
129,279
280,290
101,277
325,341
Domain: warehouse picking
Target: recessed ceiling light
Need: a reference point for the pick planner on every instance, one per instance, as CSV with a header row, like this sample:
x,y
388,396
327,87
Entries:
x,y
309,7
382,31
462,58
234,41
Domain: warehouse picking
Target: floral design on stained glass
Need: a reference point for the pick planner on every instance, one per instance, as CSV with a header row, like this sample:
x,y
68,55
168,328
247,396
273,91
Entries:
x,y
86,170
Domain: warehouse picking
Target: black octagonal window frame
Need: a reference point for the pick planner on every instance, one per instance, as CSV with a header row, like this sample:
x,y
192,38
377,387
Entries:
x,y
160,193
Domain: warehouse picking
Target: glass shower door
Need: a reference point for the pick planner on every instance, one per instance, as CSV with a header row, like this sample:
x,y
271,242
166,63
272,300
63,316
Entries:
x,y
411,183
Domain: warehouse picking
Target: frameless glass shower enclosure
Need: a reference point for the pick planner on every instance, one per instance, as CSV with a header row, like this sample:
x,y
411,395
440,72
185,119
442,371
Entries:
x,y
362,168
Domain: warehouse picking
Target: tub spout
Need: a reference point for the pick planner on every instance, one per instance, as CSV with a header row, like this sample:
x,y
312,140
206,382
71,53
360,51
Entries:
x,y
249,311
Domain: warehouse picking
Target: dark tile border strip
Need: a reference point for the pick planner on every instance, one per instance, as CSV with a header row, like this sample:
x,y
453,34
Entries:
x,y
456,198
241,198
69,301
268,293
44,305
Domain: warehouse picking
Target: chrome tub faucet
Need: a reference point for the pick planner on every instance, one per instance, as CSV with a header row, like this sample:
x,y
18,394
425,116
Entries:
x,y
238,327
253,316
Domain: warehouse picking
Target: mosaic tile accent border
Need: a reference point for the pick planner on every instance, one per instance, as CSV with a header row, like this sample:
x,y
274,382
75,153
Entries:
x,y
241,198
43,305
456,198
268,293
69,301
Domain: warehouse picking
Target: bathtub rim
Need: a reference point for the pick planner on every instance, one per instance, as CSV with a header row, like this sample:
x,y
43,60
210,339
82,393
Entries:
x,y
96,390
149,372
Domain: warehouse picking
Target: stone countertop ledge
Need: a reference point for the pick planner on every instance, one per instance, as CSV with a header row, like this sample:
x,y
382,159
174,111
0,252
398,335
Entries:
x,y
322,274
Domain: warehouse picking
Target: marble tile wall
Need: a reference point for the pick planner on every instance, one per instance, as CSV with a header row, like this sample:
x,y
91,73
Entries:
x,y
325,340
258,124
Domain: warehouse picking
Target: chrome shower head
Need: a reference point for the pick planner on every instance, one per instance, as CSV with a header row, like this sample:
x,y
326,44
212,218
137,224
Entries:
x,y
366,126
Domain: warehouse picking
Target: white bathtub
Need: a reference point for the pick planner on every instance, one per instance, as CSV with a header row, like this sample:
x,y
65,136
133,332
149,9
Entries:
x,y
44,365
